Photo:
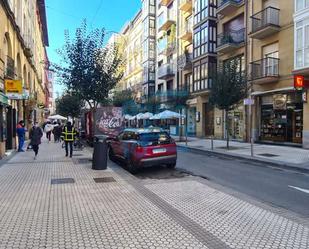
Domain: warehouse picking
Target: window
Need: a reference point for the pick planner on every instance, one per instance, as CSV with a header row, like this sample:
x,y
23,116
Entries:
x,y
302,44
301,4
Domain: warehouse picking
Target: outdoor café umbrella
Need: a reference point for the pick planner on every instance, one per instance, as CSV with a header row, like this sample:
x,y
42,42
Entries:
x,y
57,117
146,115
127,116
168,115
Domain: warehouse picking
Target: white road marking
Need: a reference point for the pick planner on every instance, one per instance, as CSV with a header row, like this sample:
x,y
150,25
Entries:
x,y
300,189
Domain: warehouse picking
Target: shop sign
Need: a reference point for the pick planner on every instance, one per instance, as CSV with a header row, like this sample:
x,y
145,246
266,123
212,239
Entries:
x,y
13,89
300,82
304,96
279,101
249,101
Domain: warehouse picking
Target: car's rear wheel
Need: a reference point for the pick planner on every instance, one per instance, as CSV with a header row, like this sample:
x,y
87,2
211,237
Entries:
x,y
171,165
131,167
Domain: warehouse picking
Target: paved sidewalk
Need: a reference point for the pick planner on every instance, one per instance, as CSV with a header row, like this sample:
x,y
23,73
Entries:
x,y
280,155
39,210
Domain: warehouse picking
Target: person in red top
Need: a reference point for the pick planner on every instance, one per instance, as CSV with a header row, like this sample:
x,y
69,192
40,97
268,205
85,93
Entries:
x,y
21,131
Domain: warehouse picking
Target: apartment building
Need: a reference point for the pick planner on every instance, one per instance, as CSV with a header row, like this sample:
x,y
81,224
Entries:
x,y
185,57
149,48
278,109
132,38
301,58
167,77
22,66
231,47
204,64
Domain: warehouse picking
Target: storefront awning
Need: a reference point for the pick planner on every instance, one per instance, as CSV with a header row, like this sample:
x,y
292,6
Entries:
x,y
285,89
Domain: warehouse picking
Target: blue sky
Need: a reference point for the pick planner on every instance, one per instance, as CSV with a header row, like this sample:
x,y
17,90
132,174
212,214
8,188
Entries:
x,y
68,14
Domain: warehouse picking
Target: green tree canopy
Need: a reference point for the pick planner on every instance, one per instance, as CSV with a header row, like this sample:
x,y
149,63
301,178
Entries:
x,y
90,67
229,88
69,105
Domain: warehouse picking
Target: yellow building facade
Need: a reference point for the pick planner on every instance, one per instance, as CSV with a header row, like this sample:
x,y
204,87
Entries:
x,y
132,35
23,33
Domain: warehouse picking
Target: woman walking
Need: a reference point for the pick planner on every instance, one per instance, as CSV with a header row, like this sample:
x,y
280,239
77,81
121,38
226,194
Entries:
x,y
36,134
48,130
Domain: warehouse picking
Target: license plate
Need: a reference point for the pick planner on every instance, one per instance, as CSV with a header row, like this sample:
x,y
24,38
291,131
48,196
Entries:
x,y
156,151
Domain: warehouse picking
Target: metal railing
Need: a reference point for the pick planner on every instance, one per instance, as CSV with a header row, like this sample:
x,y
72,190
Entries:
x,y
166,70
267,67
222,2
231,37
187,27
10,67
264,18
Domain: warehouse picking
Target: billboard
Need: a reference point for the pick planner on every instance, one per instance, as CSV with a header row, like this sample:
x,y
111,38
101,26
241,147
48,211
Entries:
x,y
109,121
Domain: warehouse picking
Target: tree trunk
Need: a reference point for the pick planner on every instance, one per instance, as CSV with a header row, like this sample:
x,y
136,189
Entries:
x,y
227,129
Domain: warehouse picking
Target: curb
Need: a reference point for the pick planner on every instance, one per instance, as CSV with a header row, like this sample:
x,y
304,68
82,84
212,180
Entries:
x,y
248,158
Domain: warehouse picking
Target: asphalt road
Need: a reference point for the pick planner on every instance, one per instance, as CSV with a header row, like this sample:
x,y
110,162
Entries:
x,y
277,187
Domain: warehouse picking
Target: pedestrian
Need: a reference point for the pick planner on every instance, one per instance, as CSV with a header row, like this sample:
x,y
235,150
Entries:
x,y
69,134
35,135
48,130
21,133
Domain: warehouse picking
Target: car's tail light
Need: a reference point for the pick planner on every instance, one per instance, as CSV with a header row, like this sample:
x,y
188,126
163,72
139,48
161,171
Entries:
x,y
139,148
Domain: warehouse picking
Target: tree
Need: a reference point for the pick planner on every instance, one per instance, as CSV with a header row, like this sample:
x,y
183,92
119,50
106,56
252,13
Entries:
x,y
126,100
69,105
228,89
90,68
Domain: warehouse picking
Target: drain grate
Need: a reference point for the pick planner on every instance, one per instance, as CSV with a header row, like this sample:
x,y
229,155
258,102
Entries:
x,y
267,155
104,179
62,181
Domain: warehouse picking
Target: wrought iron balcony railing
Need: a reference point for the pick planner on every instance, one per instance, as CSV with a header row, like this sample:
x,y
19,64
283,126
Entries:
x,y
231,37
264,68
264,18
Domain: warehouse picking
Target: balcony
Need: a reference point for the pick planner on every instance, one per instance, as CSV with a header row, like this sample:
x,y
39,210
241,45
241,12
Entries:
x,y
230,41
265,23
172,95
186,6
169,49
166,20
165,2
226,7
186,31
265,70
185,61
165,72
10,69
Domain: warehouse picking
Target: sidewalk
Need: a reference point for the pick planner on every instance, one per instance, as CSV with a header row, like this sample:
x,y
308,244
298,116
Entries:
x,y
278,155
58,202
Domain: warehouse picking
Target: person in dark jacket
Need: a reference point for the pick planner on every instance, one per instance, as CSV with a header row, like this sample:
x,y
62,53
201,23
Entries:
x,y
68,134
35,135
21,132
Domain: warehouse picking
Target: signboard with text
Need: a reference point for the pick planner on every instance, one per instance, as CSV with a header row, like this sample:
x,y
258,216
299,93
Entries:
x,y
109,121
13,89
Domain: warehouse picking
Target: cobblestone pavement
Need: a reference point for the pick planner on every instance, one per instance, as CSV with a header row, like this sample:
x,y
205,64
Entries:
x,y
57,202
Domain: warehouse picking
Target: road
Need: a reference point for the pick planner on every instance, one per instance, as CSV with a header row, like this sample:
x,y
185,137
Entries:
x,y
277,187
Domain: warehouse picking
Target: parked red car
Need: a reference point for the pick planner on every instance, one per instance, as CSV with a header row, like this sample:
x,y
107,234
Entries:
x,y
143,148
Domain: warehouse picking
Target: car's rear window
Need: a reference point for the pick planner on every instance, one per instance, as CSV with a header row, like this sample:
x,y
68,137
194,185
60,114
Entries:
x,y
154,138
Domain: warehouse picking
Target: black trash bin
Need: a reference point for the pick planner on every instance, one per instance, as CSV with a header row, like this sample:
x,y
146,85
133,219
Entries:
x,y
99,157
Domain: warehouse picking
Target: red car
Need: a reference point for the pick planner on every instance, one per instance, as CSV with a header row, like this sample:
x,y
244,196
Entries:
x,y
143,148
